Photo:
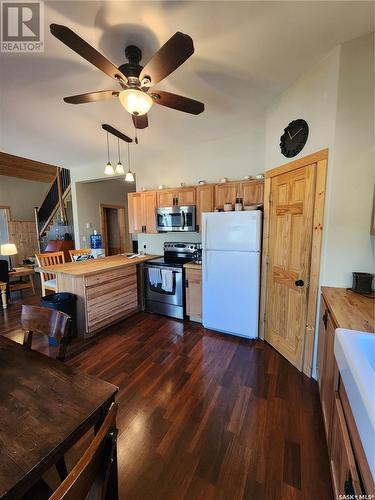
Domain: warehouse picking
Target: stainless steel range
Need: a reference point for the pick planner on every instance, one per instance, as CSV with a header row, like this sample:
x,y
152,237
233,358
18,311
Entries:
x,y
164,279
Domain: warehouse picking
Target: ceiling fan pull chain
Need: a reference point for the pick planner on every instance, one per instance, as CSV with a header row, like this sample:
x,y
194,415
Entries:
x,y
136,137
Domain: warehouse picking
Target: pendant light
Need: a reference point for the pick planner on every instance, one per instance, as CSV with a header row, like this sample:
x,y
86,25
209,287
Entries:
x,y
129,177
119,167
108,170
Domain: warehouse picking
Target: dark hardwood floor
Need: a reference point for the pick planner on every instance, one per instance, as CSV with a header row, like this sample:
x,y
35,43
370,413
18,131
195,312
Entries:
x,y
203,415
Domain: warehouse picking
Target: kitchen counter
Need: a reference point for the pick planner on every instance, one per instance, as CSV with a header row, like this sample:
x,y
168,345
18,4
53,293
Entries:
x,y
107,290
193,265
349,309
96,266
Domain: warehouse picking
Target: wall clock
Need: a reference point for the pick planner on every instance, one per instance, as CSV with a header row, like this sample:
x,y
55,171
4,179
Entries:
x,y
294,138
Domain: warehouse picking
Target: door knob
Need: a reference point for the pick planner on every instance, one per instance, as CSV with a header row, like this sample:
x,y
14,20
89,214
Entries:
x,y
299,283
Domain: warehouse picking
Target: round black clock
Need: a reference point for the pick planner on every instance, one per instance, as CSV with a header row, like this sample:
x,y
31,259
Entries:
x,y
294,138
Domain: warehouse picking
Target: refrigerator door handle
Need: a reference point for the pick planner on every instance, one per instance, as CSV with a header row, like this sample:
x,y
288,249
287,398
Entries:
x,y
205,233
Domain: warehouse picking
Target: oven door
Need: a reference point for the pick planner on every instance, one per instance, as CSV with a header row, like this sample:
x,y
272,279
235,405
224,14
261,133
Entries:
x,y
178,218
157,294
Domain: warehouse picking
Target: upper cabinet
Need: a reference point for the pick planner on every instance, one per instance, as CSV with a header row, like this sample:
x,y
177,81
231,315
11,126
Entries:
x,y
141,212
205,198
251,193
177,196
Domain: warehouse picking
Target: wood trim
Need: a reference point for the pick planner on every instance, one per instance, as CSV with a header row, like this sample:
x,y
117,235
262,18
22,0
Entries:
x,y
312,301
301,162
121,222
24,168
321,160
263,290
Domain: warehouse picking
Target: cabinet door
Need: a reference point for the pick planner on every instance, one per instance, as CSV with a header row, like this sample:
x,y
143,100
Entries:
x,y
205,201
166,197
252,192
322,340
343,466
226,193
135,212
194,294
329,382
149,207
185,196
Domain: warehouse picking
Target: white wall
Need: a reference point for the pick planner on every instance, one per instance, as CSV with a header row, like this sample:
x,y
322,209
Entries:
x,y
21,195
336,99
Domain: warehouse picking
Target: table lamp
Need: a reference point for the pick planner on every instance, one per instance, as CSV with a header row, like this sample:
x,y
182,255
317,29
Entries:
x,y
9,249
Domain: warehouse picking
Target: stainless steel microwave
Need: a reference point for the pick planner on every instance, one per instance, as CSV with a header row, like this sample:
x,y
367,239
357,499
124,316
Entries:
x,y
177,218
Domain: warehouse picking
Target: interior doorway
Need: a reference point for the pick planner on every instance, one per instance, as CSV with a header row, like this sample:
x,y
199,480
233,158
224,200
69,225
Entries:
x,y
113,229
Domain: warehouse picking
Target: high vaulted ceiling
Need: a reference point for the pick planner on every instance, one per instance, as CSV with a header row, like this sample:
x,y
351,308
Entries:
x,y
245,54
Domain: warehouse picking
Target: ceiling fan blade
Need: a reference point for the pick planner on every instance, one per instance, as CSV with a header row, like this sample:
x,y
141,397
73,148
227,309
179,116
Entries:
x,y
81,47
178,102
140,121
91,96
168,58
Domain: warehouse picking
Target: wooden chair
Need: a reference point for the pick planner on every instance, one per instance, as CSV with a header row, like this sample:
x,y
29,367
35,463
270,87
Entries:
x,y
95,474
78,253
46,259
49,322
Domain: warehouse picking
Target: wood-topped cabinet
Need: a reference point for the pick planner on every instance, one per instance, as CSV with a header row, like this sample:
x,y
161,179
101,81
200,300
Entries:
x,y
205,195
341,308
176,196
193,293
142,212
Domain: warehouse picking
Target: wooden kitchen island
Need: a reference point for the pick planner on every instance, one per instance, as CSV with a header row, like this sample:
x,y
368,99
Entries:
x,y
107,289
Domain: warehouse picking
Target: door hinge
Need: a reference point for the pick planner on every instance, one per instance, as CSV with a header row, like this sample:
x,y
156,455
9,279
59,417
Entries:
x,y
264,317
186,283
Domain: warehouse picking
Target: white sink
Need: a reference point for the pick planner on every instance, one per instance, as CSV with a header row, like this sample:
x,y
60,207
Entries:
x,y
355,356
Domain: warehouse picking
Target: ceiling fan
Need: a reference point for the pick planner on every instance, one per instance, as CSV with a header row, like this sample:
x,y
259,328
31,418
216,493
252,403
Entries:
x,y
135,80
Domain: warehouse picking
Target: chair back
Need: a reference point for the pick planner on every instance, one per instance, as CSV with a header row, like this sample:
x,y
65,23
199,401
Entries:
x,y
49,259
78,253
49,322
4,273
96,470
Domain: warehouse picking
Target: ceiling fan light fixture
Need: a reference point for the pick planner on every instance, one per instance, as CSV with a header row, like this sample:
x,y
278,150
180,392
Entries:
x,y
135,101
129,177
108,170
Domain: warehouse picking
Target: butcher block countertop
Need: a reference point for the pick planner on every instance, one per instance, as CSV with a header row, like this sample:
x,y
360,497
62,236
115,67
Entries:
x,y
350,310
96,266
193,265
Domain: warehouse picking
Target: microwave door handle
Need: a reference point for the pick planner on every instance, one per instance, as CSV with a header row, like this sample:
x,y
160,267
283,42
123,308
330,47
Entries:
x,y
183,219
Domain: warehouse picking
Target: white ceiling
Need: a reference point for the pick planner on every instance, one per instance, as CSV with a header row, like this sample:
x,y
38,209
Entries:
x,y
245,53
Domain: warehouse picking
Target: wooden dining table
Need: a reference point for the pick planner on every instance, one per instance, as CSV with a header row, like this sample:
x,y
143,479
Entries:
x,y
45,408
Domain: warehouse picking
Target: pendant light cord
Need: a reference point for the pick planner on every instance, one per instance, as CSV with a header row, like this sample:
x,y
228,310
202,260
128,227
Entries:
x,y
107,147
118,149
128,157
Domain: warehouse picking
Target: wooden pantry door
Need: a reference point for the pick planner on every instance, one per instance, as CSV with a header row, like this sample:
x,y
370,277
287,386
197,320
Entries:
x,y
289,253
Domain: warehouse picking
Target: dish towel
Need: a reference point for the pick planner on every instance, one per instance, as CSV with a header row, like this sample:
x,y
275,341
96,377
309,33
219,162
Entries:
x,y
167,280
154,276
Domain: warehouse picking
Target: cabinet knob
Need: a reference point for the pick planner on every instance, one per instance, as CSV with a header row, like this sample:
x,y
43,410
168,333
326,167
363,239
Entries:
x,y
299,283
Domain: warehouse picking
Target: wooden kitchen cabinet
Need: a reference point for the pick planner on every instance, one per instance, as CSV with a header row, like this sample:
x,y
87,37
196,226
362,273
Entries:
x,y
205,194
343,466
252,192
141,212
322,342
329,376
226,193
176,196
193,288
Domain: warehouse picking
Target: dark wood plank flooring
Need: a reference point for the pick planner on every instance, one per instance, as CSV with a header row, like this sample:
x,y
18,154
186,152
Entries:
x,y
203,415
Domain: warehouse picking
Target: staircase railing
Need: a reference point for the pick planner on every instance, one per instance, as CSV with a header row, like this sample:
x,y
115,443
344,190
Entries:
x,y
53,201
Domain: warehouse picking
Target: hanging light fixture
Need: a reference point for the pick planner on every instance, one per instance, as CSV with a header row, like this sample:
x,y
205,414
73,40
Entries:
x,y
129,177
119,167
108,170
136,101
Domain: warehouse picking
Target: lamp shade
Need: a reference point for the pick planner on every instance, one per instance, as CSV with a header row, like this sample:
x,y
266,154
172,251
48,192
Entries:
x,y
135,101
8,249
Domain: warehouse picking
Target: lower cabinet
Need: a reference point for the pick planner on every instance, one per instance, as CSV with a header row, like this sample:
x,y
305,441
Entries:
x,y
343,467
193,292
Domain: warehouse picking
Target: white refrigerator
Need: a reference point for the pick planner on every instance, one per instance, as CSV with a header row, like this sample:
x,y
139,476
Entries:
x,y
231,243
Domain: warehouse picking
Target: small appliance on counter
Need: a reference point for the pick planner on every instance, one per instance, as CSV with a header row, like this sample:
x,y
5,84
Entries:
x,y
164,280
362,283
